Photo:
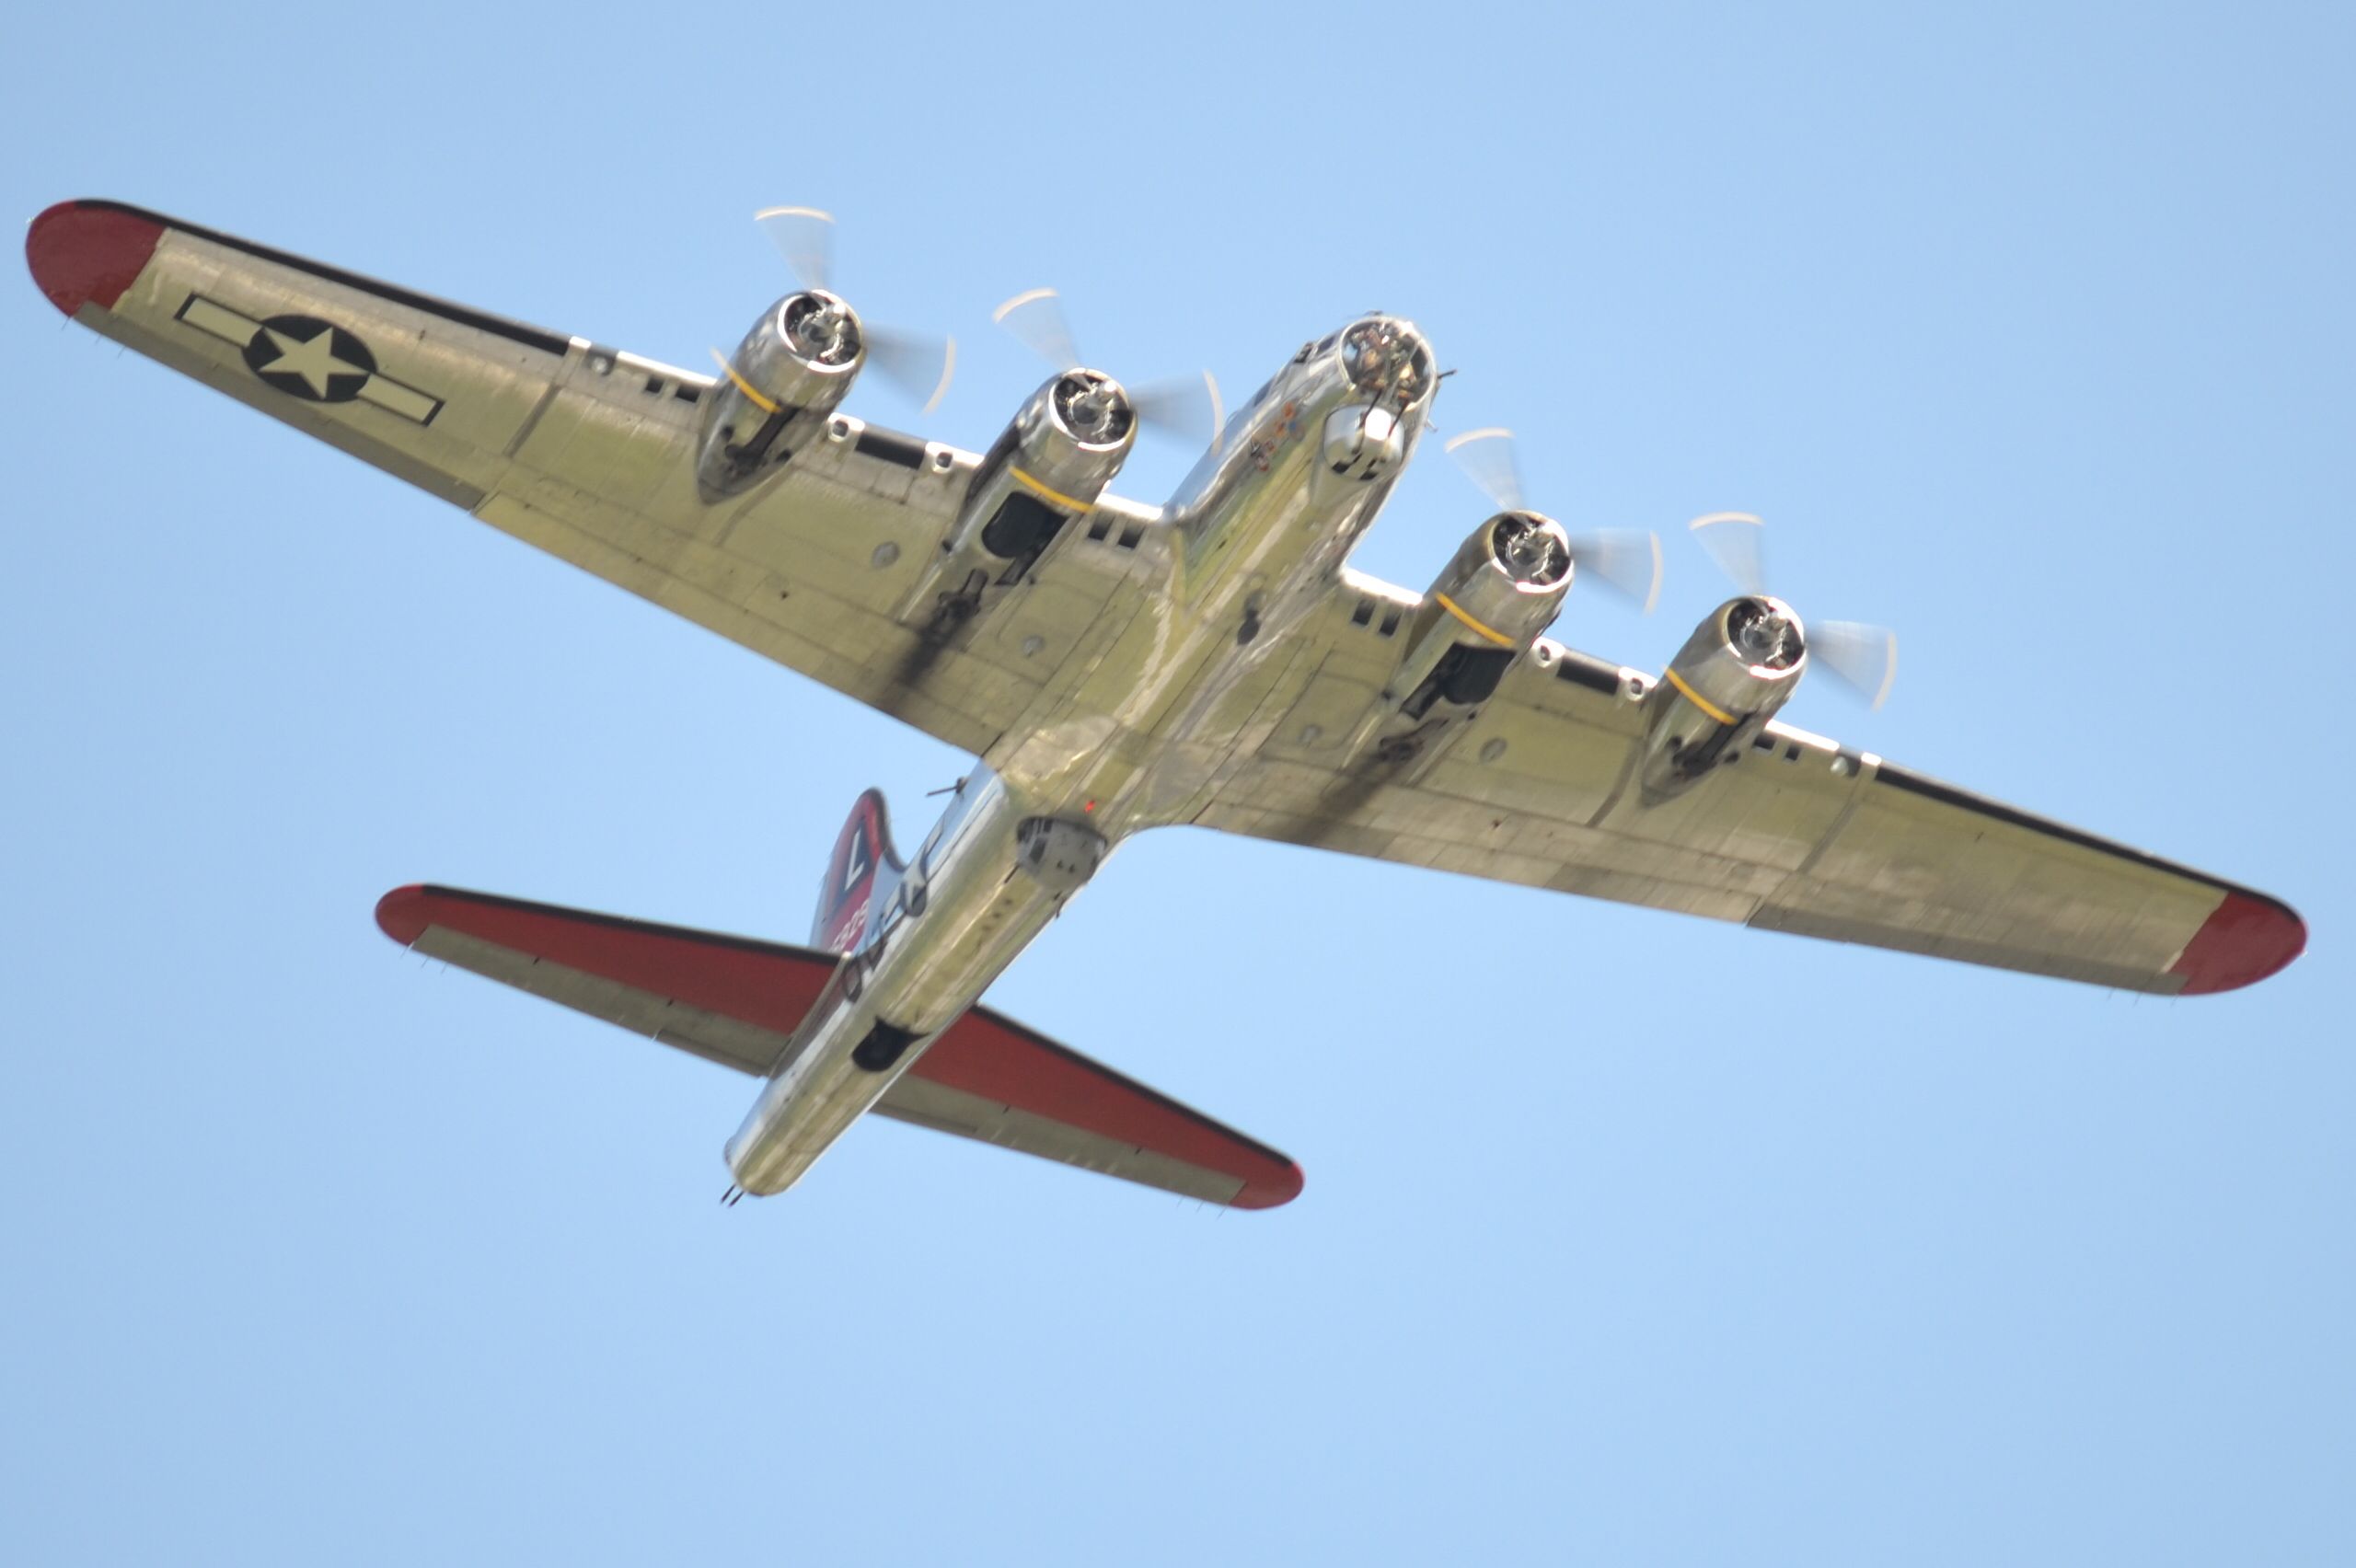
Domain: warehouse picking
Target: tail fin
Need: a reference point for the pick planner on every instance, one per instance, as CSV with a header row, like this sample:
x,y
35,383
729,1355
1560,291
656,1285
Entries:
x,y
861,874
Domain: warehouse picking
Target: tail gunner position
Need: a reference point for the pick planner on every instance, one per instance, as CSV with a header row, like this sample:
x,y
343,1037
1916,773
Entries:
x,y
1116,667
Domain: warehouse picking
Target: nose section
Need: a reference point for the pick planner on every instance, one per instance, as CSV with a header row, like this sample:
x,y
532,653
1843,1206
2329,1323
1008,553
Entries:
x,y
1386,357
1361,442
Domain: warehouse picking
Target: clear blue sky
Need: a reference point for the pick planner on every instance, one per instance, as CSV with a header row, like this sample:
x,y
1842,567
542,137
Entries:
x,y
1628,1238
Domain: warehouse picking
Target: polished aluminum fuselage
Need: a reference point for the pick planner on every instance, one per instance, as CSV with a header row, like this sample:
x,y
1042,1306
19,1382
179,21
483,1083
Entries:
x,y
1164,668
1256,538
934,939
1258,534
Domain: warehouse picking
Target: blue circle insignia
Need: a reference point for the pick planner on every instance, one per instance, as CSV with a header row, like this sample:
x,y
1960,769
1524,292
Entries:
x,y
310,358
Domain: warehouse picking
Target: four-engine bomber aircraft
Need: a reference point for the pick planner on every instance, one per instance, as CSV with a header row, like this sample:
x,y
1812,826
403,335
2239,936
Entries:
x,y
1114,667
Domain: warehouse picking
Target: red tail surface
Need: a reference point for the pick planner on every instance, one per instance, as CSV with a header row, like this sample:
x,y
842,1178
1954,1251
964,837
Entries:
x,y
864,868
739,1003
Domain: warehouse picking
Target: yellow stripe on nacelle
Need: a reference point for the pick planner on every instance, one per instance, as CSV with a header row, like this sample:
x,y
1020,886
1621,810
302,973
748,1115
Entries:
x,y
752,393
1044,493
1492,633
1698,701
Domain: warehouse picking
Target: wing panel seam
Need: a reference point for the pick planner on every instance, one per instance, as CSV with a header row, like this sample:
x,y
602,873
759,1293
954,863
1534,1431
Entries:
x,y
532,337
1947,794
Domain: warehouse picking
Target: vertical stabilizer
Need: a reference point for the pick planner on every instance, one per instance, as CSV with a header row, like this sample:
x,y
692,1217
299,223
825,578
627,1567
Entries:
x,y
861,874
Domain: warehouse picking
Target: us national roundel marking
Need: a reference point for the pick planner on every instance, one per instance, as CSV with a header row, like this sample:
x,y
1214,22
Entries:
x,y
310,358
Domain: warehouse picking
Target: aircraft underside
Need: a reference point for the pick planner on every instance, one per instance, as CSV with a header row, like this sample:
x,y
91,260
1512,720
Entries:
x,y
1116,667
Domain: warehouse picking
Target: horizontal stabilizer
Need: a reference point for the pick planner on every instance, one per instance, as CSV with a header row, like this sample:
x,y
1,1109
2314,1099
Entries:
x,y
737,1002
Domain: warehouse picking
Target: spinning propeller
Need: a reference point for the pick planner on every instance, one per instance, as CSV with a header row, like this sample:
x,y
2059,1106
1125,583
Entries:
x,y
1186,408
1864,656
918,363
1625,560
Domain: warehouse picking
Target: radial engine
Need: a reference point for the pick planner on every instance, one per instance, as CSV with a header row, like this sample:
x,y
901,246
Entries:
x,y
1742,664
1047,469
775,392
1502,589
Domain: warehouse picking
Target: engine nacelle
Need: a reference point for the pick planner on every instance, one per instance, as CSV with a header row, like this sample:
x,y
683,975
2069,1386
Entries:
x,y
1740,665
1503,588
774,395
1046,470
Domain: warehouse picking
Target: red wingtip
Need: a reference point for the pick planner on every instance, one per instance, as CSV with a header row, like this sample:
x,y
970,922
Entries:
x,y
90,252
401,914
1272,1192
2246,939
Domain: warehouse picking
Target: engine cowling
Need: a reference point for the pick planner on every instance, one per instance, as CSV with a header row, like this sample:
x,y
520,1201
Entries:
x,y
1502,588
1742,664
789,372
1045,471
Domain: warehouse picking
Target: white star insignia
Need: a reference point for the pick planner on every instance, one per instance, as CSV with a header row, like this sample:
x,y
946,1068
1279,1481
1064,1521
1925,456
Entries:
x,y
314,361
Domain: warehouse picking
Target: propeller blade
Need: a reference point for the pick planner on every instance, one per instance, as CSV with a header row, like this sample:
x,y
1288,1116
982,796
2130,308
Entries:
x,y
1864,656
1187,408
920,365
1625,560
1036,318
1487,457
1732,539
805,237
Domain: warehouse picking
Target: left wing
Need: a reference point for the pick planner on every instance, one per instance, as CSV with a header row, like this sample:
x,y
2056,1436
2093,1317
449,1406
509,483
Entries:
x,y
737,1002
587,452
1805,835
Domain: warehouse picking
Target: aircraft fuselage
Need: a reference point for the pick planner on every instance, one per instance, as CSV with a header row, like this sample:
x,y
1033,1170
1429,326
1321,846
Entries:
x,y
1259,531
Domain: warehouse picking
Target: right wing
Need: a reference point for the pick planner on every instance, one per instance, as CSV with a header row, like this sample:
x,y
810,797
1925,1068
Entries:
x,y
1805,835
587,452
736,1001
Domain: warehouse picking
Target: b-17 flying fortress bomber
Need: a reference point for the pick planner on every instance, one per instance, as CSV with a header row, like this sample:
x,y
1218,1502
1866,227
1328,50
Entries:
x,y
1116,667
